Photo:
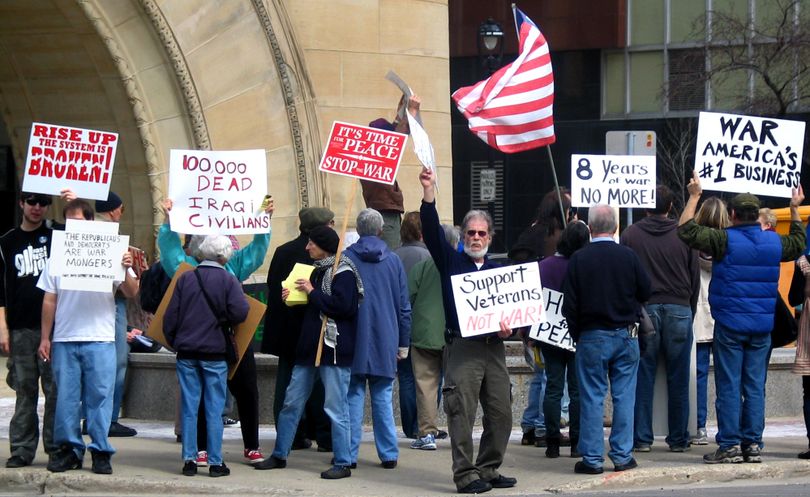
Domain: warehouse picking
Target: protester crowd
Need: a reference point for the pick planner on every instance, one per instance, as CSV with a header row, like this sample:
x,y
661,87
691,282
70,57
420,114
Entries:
x,y
383,309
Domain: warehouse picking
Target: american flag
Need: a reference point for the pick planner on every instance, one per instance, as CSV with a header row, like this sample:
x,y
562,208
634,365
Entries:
x,y
512,110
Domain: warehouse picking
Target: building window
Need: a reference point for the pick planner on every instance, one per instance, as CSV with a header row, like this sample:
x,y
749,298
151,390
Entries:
x,y
686,89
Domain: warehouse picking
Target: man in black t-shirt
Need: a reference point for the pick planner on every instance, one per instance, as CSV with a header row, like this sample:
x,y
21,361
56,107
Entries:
x,y
23,252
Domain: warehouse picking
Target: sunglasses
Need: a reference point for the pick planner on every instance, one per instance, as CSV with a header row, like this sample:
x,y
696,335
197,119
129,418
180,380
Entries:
x,y
481,234
38,201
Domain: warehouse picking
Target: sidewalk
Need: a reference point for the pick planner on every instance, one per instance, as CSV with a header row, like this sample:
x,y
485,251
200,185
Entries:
x,y
150,464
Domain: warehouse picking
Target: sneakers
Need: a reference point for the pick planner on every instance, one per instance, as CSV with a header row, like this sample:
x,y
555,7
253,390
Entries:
x,y
230,422
428,442
271,462
202,458
583,469
19,462
441,435
642,448
189,468
751,453
119,430
731,455
253,456
64,460
217,470
101,463
701,438
336,473
475,487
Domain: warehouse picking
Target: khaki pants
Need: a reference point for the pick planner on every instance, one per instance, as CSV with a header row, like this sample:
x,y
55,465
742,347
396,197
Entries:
x,y
476,372
427,371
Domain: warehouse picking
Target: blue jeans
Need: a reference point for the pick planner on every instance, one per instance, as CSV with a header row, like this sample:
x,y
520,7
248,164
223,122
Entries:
x,y
84,373
336,390
740,363
704,349
407,398
533,418
121,355
382,415
195,376
602,356
672,338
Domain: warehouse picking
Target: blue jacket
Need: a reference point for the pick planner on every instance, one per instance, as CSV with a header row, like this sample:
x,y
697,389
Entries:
x,y
744,286
384,317
242,263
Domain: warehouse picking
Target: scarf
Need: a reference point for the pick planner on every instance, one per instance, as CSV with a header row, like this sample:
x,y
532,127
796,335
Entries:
x,y
326,265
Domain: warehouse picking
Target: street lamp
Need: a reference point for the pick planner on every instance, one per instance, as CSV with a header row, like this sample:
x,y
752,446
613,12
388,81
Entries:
x,y
490,45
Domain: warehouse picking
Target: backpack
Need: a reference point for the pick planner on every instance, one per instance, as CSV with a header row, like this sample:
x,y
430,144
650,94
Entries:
x,y
154,282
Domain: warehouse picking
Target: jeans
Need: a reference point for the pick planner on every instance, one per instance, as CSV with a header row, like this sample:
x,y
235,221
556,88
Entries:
x,y
121,355
407,397
84,373
195,376
26,370
336,390
704,349
559,366
314,423
602,356
382,415
740,362
533,418
673,338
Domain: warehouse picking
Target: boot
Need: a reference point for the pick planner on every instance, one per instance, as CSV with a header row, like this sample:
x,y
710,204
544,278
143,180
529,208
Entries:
x,y
553,448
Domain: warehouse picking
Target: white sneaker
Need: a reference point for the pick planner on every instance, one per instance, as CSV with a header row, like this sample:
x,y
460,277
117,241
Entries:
x,y
428,442
701,438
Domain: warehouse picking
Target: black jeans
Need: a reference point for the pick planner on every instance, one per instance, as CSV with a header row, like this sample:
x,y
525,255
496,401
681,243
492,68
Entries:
x,y
559,367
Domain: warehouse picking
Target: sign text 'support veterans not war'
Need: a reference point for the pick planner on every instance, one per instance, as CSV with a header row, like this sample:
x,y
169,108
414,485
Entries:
x,y
62,157
362,152
218,192
485,298
749,154
617,180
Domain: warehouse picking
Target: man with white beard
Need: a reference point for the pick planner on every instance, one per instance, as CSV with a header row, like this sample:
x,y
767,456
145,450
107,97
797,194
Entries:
x,y
475,367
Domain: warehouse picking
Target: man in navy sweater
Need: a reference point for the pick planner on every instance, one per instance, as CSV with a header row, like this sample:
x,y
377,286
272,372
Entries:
x,y
604,288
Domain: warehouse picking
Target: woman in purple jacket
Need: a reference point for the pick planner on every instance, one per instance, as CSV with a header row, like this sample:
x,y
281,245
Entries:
x,y
192,329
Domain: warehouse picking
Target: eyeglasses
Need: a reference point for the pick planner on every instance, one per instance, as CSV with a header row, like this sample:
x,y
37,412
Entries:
x,y
480,233
38,201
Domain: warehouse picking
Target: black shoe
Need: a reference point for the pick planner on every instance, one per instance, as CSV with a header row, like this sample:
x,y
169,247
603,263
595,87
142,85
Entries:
x,y
802,455
190,468
301,444
324,448
503,482
64,460
101,463
218,470
475,487
553,449
178,438
528,438
336,473
540,441
271,462
575,453
731,455
389,464
440,435
119,430
584,469
751,453
631,464
17,462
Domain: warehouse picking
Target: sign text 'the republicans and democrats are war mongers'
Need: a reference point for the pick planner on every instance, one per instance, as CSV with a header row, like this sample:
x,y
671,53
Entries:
x,y
62,157
749,154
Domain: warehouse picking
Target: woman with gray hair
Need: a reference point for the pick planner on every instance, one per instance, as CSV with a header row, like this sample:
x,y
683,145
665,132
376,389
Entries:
x,y
201,300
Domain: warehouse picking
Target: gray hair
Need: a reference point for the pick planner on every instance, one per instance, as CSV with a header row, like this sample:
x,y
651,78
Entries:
x,y
369,222
478,214
451,234
602,219
215,248
194,245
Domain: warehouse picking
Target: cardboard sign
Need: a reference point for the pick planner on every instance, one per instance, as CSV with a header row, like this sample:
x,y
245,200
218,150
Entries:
x,y
139,262
87,255
749,154
243,332
363,152
485,298
617,180
554,330
62,157
218,192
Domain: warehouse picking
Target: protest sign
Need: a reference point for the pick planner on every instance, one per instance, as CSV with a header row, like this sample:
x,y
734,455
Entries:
x,y
421,142
139,262
554,331
243,332
87,255
485,298
617,180
62,157
362,152
749,154
218,192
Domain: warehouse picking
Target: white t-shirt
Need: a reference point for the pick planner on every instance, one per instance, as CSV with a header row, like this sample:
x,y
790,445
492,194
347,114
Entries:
x,y
81,316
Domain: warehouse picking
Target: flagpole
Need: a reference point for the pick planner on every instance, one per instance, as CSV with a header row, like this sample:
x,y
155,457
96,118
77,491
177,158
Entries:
x,y
556,185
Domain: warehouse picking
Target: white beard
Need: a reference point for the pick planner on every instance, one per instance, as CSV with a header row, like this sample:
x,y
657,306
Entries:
x,y
475,254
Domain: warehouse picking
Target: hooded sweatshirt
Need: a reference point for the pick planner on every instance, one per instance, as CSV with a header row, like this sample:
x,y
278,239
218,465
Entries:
x,y
673,267
384,317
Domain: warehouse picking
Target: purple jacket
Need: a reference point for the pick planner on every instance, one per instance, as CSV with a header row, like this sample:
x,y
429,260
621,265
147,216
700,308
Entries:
x,y
190,327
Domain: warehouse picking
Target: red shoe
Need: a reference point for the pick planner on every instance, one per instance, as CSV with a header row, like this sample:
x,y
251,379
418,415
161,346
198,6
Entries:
x,y
253,456
202,458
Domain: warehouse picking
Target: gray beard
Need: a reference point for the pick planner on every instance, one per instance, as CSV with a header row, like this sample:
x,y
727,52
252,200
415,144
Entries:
x,y
475,254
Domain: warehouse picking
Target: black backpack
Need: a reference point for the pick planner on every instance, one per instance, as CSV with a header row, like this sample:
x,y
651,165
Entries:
x,y
154,282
